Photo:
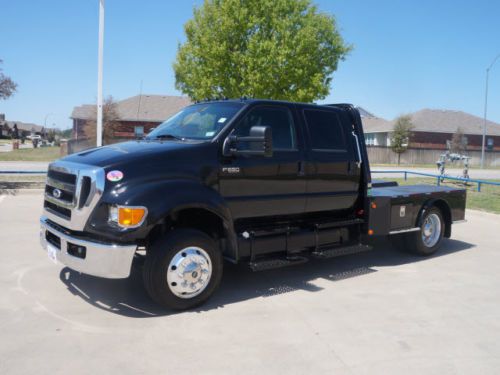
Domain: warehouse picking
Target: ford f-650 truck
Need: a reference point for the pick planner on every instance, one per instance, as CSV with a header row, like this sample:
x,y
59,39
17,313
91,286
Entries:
x,y
259,182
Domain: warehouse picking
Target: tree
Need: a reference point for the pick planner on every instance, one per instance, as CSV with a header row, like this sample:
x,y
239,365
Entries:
x,y
269,49
458,142
109,121
400,136
7,86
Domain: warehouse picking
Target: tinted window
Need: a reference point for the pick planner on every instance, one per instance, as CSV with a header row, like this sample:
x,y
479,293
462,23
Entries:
x,y
325,130
199,121
278,119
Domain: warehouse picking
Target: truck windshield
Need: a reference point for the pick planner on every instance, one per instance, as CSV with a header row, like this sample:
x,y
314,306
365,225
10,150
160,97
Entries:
x,y
200,121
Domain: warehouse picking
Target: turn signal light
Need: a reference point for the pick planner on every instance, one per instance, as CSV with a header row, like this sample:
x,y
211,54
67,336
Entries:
x,y
126,216
131,216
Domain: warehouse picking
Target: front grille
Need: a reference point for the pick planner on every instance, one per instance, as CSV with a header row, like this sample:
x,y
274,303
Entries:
x,y
65,213
60,193
61,176
71,193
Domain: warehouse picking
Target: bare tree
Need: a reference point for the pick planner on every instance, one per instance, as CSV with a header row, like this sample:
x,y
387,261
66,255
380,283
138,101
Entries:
x,y
7,86
458,142
109,121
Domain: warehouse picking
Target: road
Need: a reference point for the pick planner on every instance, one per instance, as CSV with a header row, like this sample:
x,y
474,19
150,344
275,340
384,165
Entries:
x,y
23,165
381,312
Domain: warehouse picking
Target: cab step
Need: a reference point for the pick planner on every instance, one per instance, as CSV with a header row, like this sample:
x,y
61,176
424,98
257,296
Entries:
x,y
339,251
272,263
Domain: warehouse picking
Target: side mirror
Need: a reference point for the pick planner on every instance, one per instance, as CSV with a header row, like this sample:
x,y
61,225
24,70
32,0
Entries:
x,y
259,143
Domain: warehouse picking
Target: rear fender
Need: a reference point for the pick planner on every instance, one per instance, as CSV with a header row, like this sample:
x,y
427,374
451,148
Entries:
x,y
444,207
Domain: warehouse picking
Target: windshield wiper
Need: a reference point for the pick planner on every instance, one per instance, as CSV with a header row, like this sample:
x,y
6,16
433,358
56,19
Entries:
x,y
169,136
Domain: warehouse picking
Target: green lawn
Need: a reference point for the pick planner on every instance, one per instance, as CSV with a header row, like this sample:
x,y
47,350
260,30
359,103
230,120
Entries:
x,y
486,200
32,154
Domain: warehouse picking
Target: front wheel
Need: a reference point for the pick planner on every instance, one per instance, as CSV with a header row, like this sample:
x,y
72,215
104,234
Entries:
x,y
428,239
182,269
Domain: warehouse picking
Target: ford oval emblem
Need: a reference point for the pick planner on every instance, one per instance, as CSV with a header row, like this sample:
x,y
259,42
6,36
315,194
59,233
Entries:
x,y
57,193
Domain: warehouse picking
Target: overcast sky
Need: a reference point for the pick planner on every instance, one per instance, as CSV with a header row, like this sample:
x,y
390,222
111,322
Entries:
x,y
407,55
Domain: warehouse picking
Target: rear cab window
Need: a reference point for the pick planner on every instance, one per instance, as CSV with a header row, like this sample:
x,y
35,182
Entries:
x,y
326,131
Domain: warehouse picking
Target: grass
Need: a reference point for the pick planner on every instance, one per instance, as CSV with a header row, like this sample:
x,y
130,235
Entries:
x,y
31,154
486,200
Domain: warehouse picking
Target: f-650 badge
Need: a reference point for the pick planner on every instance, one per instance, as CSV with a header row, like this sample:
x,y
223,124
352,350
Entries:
x,y
231,170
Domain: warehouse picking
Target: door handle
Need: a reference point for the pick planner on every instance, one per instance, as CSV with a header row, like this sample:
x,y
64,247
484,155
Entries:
x,y
360,160
301,169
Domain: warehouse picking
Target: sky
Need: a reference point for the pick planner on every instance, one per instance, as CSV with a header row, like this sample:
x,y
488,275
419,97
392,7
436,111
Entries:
x,y
408,55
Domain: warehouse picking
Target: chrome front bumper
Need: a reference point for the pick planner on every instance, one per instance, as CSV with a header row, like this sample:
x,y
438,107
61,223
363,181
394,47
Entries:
x,y
103,260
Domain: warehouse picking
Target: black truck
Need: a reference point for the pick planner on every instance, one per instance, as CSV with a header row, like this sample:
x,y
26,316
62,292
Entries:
x,y
259,182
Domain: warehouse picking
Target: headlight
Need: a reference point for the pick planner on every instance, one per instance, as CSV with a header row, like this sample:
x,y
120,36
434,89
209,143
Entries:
x,y
127,216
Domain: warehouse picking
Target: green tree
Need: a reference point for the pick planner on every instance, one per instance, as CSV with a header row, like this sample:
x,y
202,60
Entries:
x,y
270,49
400,136
7,86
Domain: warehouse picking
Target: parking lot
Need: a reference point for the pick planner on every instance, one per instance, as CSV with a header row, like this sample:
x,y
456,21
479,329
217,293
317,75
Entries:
x,y
381,312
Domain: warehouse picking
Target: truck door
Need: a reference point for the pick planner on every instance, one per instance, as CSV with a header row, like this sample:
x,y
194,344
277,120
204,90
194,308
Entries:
x,y
333,176
257,186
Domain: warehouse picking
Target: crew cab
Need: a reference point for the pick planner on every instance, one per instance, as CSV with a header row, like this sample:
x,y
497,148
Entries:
x,y
257,182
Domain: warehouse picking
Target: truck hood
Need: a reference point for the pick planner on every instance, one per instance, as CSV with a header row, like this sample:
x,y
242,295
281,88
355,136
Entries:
x,y
132,152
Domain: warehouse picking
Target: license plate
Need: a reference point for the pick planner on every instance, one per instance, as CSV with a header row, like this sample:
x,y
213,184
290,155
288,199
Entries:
x,y
52,253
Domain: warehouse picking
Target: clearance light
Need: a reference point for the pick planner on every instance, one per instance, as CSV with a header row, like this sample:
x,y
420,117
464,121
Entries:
x,y
370,232
374,205
127,216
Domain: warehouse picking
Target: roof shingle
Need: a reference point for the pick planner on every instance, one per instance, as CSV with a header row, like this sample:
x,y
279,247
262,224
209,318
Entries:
x,y
139,108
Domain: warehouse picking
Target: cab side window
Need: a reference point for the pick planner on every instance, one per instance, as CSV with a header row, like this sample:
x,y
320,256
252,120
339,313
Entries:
x,y
325,130
278,119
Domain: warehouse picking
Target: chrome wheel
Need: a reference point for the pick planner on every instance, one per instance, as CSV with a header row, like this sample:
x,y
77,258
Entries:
x,y
431,230
189,272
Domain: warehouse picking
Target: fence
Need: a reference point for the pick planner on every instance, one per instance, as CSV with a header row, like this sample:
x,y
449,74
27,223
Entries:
x,y
384,155
440,178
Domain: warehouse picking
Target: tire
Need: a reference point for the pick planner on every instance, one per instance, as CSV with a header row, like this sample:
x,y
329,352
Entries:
x,y
189,250
428,239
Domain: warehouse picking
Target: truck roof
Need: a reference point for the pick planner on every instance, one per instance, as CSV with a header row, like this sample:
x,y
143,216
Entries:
x,y
270,101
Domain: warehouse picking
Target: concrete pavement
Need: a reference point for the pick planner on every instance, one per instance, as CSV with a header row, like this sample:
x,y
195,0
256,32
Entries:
x,y
381,312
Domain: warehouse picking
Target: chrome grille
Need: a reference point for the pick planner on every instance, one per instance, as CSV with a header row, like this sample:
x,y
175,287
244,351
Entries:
x,y
71,193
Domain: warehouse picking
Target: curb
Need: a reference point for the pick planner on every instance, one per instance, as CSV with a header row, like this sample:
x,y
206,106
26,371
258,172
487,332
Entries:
x,y
16,192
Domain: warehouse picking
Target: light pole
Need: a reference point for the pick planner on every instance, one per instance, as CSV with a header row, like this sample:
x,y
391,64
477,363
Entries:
x,y
99,73
486,107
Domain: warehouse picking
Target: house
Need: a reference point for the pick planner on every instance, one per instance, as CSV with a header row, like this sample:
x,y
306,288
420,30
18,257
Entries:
x,y
432,128
25,129
136,115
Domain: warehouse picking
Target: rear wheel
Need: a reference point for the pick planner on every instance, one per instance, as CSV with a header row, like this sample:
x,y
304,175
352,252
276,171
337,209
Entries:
x,y
428,239
182,269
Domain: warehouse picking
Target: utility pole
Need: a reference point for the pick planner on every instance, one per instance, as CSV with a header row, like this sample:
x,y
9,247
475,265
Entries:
x,y
99,73
486,108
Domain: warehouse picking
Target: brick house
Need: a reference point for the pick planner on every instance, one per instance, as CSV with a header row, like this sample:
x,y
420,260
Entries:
x,y
433,128
136,115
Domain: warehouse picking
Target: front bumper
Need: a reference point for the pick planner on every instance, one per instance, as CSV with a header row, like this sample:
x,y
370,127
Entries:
x,y
98,259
